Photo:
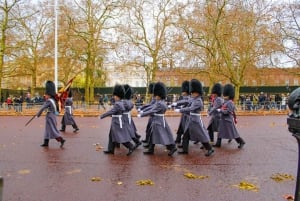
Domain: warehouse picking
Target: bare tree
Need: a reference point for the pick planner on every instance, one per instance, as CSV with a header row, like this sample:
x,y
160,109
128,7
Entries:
x,y
287,18
89,20
7,22
147,31
232,37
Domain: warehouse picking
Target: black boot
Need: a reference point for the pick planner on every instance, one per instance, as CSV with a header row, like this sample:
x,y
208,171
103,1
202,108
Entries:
x,y
61,140
63,128
130,147
137,143
172,149
150,150
209,149
46,143
241,142
75,128
219,142
211,134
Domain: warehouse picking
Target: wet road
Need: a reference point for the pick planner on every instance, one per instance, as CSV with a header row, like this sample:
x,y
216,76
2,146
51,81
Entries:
x,y
32,173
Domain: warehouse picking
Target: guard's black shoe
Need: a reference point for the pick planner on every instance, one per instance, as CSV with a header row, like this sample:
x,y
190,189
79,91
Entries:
x,y
130,152
216,145
108,152
62,130
137,145
196,142
148,152
179,146
44,145
146,145
241,145
144,141
209,152
172,151
62,142
183,152
75,130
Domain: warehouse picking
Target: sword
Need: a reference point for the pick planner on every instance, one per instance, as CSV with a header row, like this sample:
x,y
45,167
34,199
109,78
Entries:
x,y
30,120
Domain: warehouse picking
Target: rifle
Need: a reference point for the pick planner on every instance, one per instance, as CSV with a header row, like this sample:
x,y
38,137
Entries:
x,y
30,120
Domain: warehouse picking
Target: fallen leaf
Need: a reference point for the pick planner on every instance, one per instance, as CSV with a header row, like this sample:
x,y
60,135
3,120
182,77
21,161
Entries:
x,y
74,171
144,182
279,177
119,183
25,171
193,176
96,179
243,185
289,197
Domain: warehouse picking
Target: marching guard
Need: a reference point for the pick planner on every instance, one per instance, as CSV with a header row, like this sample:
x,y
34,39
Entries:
x,y
51,105
183,102
68,118
160,132
127,118
227,128
214,115
117,132
144,108
195,129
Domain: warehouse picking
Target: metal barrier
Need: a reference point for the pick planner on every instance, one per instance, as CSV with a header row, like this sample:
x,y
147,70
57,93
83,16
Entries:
x,y
1,188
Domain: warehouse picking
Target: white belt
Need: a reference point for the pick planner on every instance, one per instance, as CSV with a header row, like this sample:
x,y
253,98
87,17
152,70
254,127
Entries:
x,y
120,119
70,109
197,114
129,116
163,116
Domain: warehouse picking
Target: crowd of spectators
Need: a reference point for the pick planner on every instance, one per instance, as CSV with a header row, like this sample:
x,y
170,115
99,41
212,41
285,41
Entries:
x,y
16,102
263,101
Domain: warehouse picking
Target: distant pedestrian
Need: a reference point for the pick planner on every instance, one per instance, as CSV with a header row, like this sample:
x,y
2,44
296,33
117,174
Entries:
x,y
51,107
227,128
101,103
68,118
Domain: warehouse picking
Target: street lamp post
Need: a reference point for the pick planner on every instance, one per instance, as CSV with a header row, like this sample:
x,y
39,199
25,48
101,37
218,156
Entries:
x,y
293,122
55,46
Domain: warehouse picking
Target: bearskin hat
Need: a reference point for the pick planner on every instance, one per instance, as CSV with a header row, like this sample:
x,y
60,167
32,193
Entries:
x,y
150,88
160,90
294,100
217,89
119,91
128,91
228,90
70,93
50,88
185,86
196,86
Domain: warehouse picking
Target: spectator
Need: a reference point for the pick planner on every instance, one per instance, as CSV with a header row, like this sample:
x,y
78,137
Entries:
x,y
101,102
9,102
139,101
1,101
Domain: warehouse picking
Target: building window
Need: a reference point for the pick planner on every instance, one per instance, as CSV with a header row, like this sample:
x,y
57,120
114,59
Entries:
x,y
296,82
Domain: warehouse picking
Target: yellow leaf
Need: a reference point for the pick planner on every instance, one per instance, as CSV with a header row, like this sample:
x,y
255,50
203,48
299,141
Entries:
x,y
25,171
243,185
96,179
144,182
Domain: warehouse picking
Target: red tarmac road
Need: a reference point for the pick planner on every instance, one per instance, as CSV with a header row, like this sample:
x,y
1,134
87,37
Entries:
x,y
32,173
